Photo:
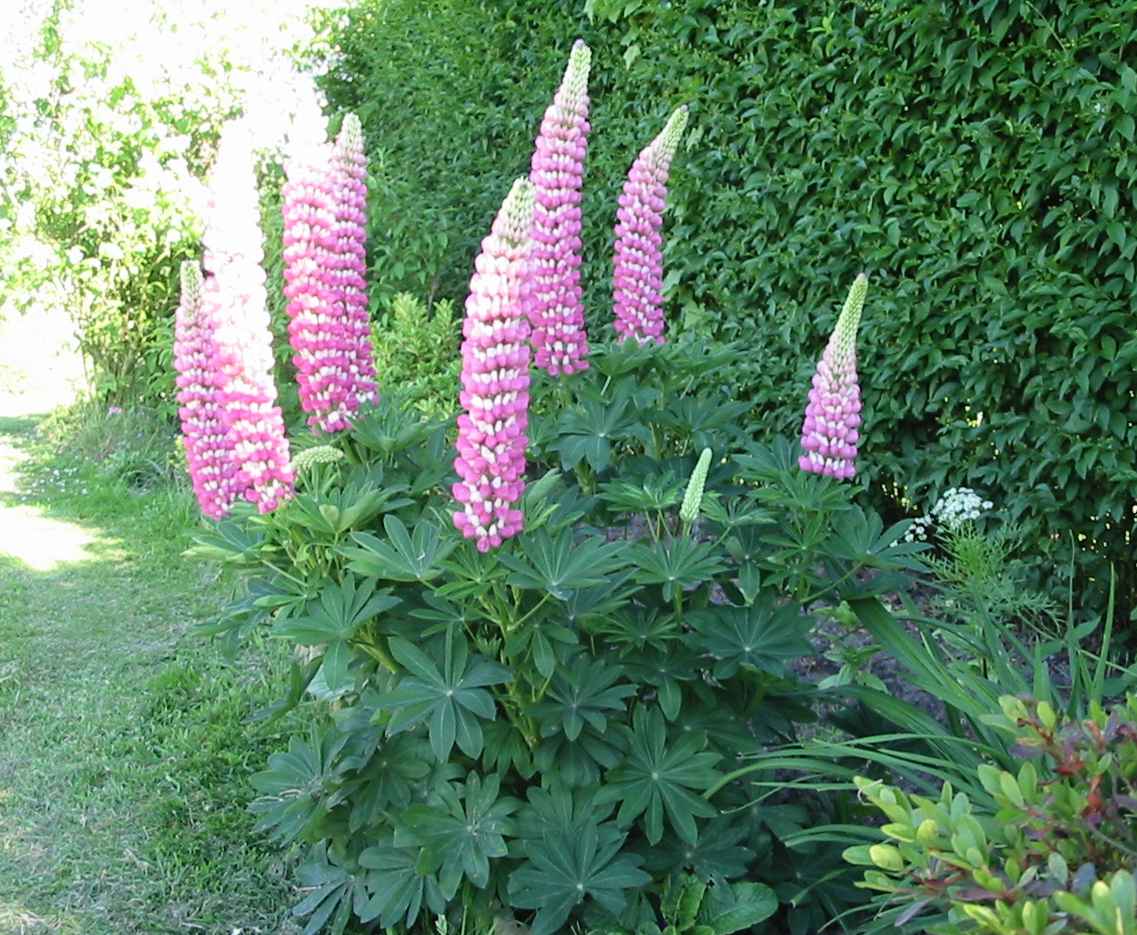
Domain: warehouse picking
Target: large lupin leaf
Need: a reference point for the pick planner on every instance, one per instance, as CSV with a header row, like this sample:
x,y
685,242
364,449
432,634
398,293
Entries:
x,y
462,829
405,557
761,637
565,868
452,698
660,777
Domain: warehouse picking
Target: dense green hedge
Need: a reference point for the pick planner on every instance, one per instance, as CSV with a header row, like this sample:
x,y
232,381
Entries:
x,y
976,159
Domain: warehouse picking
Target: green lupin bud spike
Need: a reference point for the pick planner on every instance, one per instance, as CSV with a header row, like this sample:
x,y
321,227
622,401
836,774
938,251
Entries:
x,y
574,85
191,282
668,140
320,454
517,212
693,498
845,333
351,132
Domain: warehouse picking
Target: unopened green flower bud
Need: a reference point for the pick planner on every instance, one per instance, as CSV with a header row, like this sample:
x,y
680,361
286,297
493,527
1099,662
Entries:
x,y
321,454
693,498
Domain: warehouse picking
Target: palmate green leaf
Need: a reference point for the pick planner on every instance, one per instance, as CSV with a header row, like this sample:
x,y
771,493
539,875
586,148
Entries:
x,y
711,717
639,629
861,537
588,605
559,808
618,358
388,780
390,426
340,509
442,615
677,565
469,574
762,636
405,557
701,421
656,492
451,697
664,669
541,637
332,890
559,565
294,789
587,432
579,762
565,868
299,677
230,541
397,889
462,829
719,854
338,613
586,694
659,776
505,749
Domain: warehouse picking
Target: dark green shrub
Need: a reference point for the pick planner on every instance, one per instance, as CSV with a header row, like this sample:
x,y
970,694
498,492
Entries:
x,y
976,158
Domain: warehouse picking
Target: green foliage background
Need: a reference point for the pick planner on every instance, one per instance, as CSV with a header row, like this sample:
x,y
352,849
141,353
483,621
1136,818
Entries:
x,y
976,159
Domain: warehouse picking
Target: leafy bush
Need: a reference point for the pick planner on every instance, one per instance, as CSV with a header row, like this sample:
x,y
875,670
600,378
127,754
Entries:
x,y
549,728
1047,849
974,157
416,352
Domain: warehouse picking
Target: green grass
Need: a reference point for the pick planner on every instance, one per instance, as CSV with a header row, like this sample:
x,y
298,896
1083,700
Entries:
x,y
126,743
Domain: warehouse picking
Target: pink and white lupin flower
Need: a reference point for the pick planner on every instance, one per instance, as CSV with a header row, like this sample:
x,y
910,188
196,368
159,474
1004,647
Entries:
x,y
351,233
830,432
637,277
234,299
495,379
324,210
203,427
556,311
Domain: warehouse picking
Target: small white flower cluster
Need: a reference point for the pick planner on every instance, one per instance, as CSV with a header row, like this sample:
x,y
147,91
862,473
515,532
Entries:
x,y
959,505
918,531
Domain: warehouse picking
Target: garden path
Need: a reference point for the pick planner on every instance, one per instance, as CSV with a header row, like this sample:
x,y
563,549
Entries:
x,y
124,744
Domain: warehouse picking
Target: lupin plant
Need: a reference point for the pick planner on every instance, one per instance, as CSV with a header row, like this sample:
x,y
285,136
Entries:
x,y
830,432
637,278
324,209
203,429
495,379
556,312
234,298
534,734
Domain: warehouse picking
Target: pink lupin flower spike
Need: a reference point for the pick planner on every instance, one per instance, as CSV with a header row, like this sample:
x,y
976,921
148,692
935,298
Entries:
x,y
637,277
309,211
556,313
495,379
234,294
830,432
351,231
203,428
325,201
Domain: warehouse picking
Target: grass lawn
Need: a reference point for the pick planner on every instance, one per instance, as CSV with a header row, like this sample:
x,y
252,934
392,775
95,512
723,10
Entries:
x,y
125,747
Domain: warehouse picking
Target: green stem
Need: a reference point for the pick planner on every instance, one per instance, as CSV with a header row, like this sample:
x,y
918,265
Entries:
x,y
532,611
281,572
